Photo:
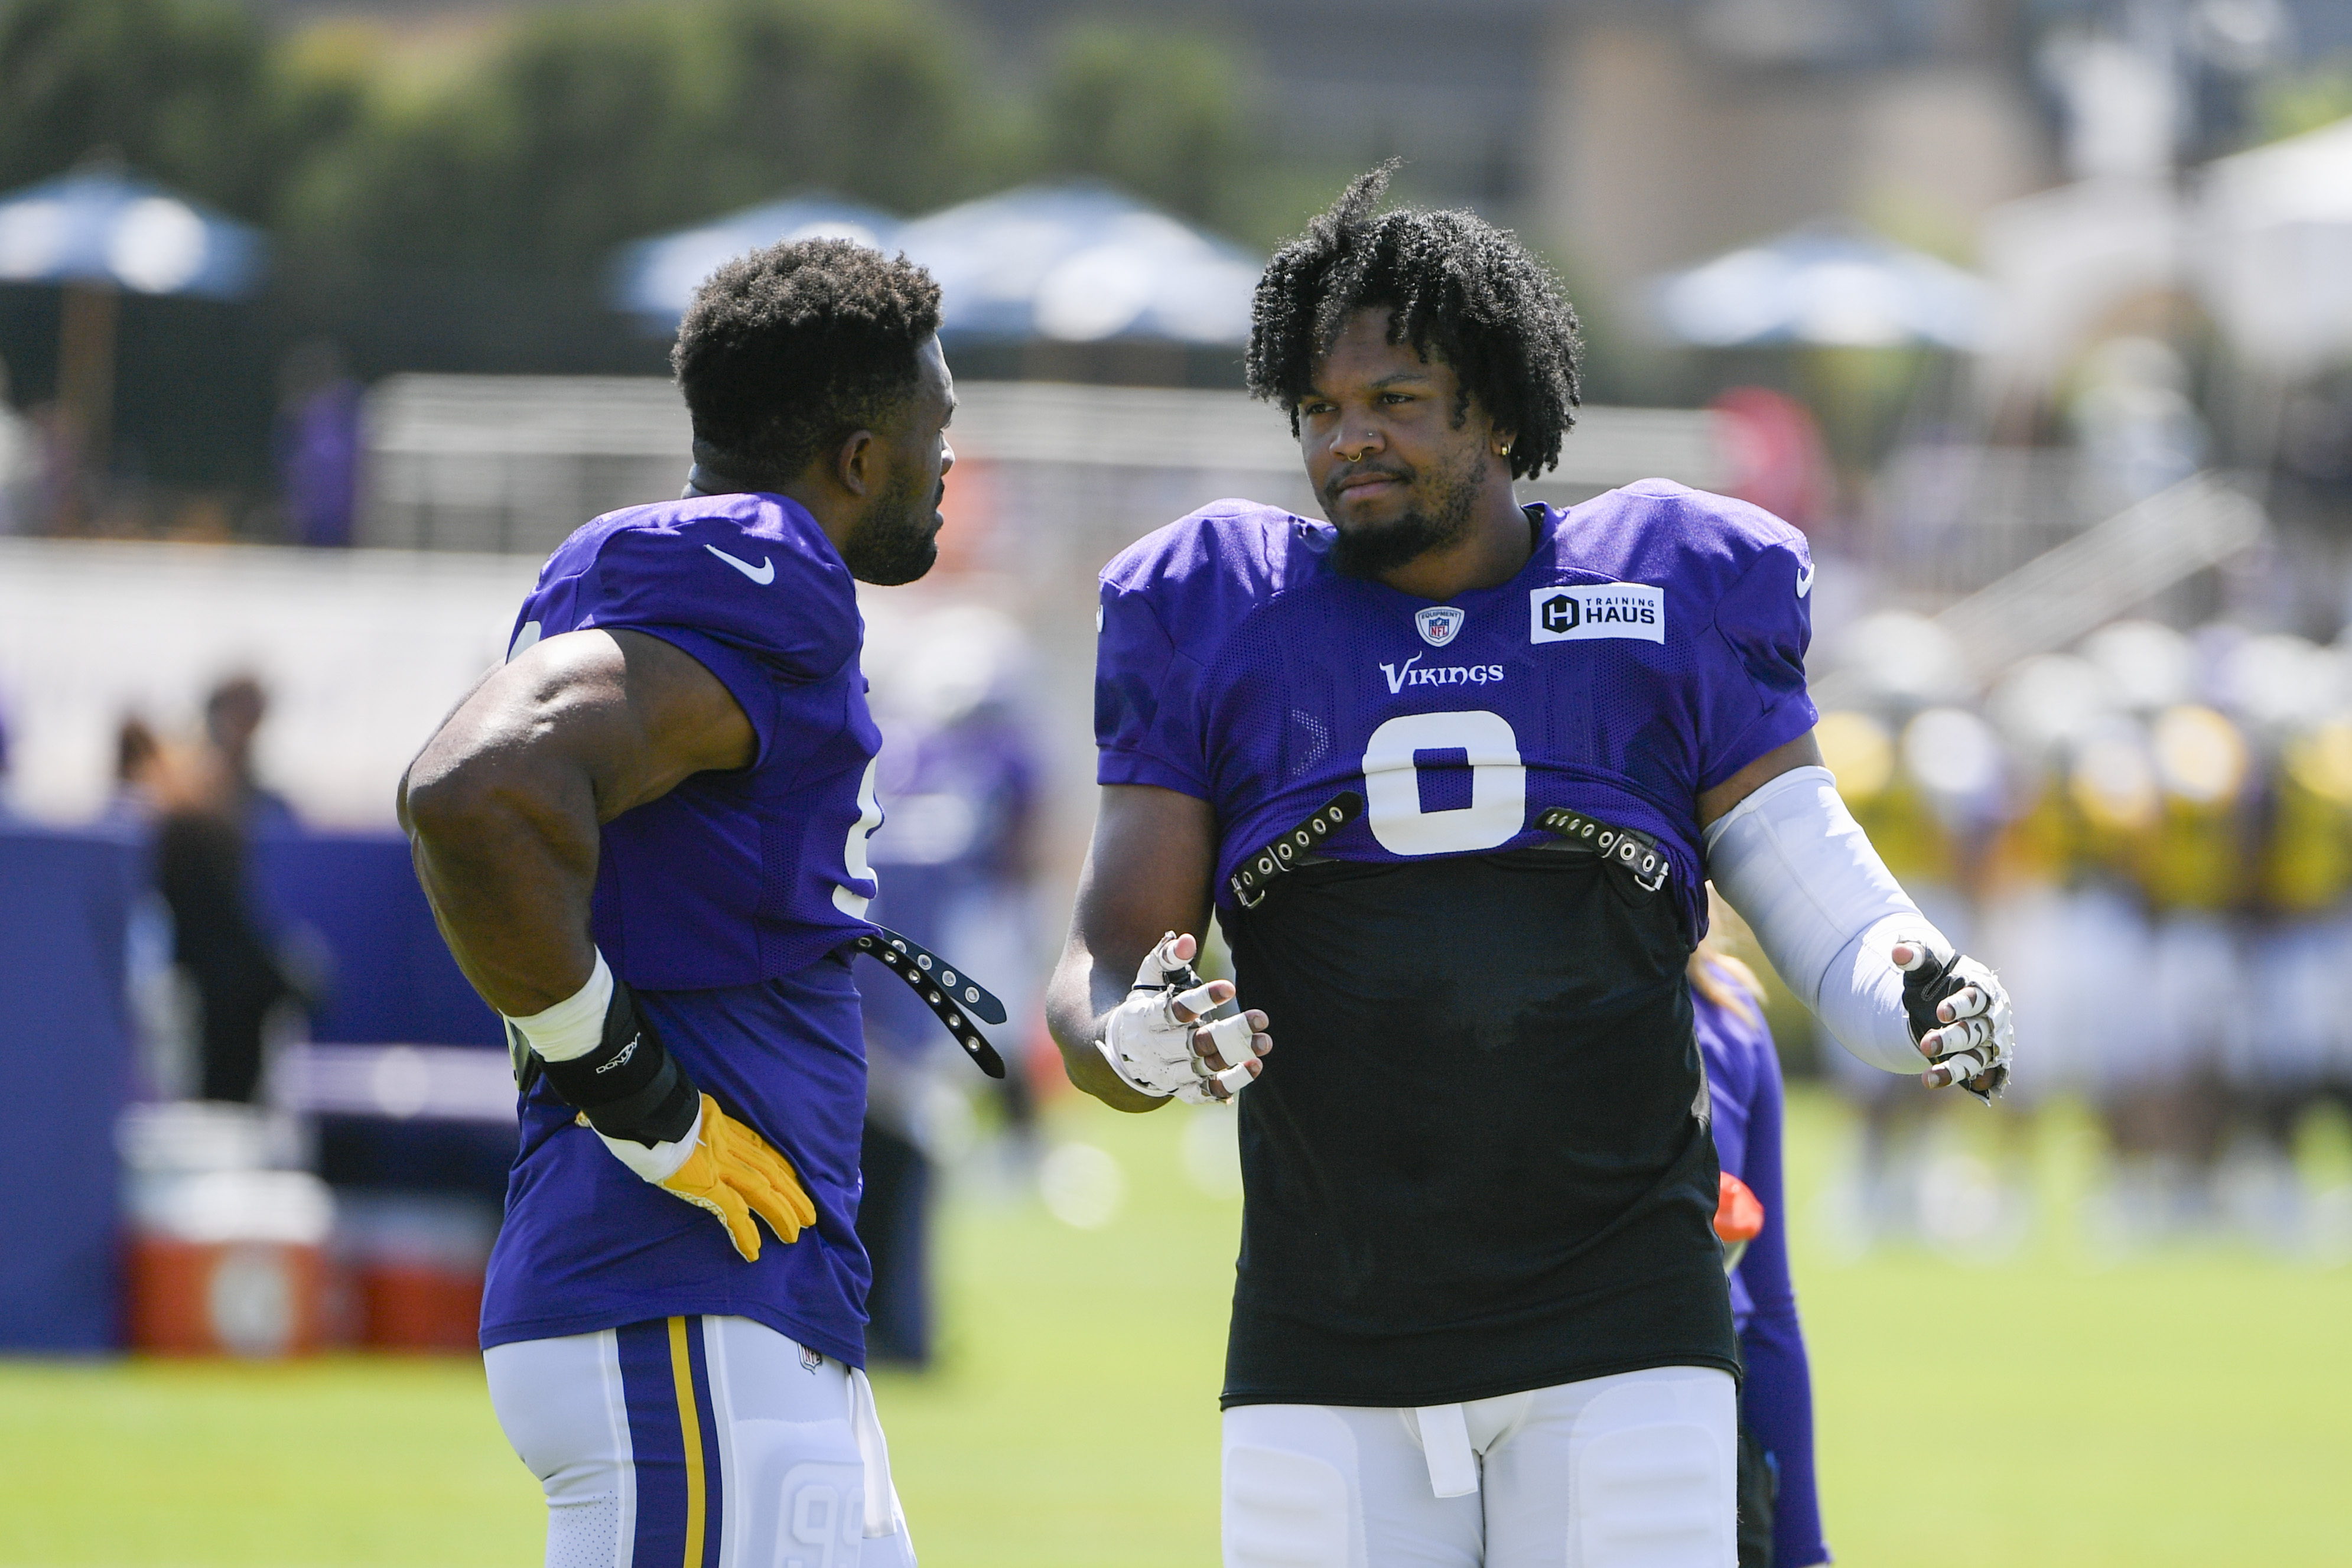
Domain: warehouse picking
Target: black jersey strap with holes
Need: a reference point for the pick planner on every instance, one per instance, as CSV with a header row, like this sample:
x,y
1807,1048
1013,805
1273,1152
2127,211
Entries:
x,y
1637,851
1252,881
941,987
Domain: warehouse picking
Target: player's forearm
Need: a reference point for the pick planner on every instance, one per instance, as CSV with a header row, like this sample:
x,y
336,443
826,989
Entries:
x,y
1146,874
505,850
1792,859
1849,942
1081,992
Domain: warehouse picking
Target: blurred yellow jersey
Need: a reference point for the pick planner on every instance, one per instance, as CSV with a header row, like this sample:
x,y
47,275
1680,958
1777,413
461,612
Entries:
x,y
1902,822
2307,858
2194,855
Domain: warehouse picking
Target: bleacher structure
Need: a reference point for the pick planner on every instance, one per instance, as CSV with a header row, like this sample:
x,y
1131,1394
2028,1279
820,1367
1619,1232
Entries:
x,y
513,464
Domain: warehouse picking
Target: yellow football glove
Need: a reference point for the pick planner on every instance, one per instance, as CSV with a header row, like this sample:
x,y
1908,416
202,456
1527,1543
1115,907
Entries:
x,y
604,1059
735,1174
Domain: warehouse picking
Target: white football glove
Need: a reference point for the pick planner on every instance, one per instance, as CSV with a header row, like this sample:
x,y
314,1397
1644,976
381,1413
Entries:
x,y
1156,1053
1959,1014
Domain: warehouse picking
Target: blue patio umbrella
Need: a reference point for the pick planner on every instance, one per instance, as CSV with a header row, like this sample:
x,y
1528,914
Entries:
x,y
107,227
1082,262
655,278
1824,284
98,232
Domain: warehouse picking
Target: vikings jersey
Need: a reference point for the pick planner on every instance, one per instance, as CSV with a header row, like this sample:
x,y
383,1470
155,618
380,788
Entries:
x,y
1652,646
723,904
1477,1162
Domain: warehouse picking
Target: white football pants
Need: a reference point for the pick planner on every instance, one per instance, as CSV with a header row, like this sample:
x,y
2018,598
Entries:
x,y
1638,1470
700,1443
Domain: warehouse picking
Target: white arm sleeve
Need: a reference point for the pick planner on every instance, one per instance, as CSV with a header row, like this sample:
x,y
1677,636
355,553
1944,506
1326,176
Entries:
x,y
1801,871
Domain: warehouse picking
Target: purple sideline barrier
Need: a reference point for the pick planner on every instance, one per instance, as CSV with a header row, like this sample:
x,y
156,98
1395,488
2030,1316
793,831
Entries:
x,y
392,977
394,1000
65,903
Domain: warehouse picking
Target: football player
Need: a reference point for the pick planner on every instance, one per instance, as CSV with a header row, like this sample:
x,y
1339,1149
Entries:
x,y
1454,771
1779,1513
645,839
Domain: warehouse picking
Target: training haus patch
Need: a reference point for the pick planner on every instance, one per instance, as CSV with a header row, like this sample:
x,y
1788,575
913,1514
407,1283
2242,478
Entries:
x,y
1572,614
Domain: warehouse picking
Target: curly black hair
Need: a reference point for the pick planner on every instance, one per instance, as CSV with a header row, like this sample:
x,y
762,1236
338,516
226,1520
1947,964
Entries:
x,y
788,349
1457,288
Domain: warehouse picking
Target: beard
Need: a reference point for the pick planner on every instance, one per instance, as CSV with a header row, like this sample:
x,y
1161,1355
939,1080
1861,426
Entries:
x,y
897,539
1439,514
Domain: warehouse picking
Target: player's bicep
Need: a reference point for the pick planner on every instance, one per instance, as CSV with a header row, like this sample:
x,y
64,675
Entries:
x,y
1804,751
686,720
1148,872
619,717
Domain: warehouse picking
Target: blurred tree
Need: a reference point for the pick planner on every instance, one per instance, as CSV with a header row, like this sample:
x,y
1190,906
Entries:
x,y
178,88
875,98
582,127
1163,113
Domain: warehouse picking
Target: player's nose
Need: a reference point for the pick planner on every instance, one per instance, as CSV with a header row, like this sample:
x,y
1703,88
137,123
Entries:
x,y
1352,442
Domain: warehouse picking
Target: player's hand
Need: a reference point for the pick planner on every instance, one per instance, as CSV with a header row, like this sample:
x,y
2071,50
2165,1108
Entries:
x,y
1959,1015
725,1167
1176,1036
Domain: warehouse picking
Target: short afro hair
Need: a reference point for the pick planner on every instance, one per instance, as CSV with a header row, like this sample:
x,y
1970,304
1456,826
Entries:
x,y
788,349
1457,288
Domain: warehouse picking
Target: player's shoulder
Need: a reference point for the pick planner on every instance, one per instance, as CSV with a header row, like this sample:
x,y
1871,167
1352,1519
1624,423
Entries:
x,y
1704,544
1218,561
753,570
767,541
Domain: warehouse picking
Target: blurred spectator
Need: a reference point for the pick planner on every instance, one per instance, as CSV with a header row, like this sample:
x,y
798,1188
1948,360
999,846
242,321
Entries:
x,y
318,441
959,780
138,764
7,809
210,807
233,716
20,465
1775,453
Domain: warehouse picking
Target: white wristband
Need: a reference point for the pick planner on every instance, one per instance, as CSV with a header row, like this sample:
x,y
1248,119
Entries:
x,y
575,1025
656,1163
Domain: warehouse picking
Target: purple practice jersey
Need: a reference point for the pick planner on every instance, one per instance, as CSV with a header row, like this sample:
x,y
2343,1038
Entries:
x,y
1652,647
1478,1160
722,903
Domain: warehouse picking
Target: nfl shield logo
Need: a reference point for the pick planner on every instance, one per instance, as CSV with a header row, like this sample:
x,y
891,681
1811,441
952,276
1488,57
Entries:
x,y
1438,624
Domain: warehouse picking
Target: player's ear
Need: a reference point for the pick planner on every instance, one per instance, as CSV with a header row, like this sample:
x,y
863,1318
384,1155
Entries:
x,y
857,463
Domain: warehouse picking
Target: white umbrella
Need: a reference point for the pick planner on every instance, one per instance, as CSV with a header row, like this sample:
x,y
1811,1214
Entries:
x,y
1082,262
2276,262
655,278
1826,286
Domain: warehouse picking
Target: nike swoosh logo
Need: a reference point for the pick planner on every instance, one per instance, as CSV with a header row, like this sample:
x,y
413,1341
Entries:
x,y
1804,579
764,573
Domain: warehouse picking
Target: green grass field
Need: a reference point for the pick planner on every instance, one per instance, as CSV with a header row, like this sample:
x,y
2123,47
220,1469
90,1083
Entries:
x,y
2192,1407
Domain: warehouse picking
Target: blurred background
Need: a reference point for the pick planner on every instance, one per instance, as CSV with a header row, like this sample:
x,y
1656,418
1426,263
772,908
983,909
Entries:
x,y
322,321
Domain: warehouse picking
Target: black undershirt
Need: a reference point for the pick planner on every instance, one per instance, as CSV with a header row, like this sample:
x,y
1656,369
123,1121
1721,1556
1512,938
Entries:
x,y
1478,1160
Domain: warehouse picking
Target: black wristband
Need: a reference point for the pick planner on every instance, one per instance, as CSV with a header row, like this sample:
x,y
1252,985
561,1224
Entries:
x,y
629,1085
